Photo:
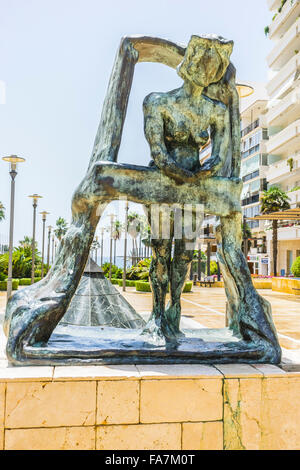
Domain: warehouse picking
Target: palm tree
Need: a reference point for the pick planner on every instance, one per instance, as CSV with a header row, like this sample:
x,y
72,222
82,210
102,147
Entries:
x,y
274,200
116,234
61,228
133,230
2,211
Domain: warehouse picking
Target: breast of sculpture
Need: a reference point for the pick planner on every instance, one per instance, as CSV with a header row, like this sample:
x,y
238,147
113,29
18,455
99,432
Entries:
x,y
177,124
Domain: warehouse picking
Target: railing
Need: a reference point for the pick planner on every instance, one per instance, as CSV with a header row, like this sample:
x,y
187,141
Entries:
x,y
250,151
250,200
250,128
251,176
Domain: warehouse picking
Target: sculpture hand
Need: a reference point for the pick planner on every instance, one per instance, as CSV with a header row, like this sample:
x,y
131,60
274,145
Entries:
x,y
209,167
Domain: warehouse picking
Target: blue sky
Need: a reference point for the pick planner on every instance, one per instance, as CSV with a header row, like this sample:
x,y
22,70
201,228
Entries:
x,y
55,59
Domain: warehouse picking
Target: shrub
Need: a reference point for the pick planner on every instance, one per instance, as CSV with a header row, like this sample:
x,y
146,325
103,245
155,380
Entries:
x,y
25,281
116,272
3,285
296,267
142,286
37,279
128,283
188,287
114,280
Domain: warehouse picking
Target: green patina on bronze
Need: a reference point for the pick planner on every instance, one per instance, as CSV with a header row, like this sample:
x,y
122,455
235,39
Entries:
x,y
177,124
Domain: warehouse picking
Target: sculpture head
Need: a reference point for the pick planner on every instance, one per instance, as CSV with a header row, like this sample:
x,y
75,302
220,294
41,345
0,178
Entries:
x,y
206,60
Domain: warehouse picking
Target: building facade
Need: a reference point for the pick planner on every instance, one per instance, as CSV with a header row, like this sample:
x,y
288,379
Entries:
x,y
283,121
254,166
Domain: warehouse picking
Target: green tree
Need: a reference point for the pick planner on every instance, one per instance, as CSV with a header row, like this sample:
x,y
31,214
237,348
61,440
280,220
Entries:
x,y
296,267
2,211
133,228
116,235
61,228
274,200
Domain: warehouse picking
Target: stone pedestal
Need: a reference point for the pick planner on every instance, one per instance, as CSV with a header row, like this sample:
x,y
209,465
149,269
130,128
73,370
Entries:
x,y
150,407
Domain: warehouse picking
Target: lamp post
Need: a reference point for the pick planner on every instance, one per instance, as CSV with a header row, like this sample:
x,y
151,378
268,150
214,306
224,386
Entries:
x,y
48,251
112,216
101,249
53,238
44,216
35,198
96,249
125,247
13,160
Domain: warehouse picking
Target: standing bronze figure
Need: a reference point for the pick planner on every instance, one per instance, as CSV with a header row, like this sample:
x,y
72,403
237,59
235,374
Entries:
x,y
177,125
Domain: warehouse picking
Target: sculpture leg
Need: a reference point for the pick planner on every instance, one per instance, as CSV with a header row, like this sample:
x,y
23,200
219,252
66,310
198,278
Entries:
x,y
249,314
159,279
179,270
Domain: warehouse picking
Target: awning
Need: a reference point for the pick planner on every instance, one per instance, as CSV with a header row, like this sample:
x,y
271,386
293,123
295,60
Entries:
x,y
289,214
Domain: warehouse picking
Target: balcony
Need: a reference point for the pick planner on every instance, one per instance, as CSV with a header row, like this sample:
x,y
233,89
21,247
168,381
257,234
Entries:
x,y
280,171
274,4
285,111
294,198
285,48
284,76
250,128
286,141
284,19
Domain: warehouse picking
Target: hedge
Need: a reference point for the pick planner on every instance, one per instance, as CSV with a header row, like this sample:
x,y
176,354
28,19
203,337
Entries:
x,y
143,286
15,285
26,281
114,280
128,283
188,287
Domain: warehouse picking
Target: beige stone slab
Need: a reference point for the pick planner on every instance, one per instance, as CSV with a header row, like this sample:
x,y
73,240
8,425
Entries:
x,y
2,403
269,370
178,370
95,372
242,414
77,438
281,413
1,438
118,402
202,436
39,404
139,437
180,400
238,370
25,374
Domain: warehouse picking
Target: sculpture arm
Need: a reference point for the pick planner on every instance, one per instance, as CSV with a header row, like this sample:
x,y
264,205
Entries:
x,y
154,132
132,49
220,137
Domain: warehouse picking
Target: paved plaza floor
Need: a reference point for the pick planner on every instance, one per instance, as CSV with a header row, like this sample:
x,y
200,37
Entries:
x,y
206,306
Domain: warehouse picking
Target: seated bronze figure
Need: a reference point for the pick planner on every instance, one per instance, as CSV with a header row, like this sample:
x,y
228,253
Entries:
x,y
177,124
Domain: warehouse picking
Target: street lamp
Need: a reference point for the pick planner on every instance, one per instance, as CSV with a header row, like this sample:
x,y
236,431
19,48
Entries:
x,y
101,252
244,90
112,216
125,247
48,251
35,198
96,248
44,216
53,238
13,160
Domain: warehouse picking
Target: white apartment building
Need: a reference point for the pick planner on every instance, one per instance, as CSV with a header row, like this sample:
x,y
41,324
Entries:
x,y
283,120
254,165
254,137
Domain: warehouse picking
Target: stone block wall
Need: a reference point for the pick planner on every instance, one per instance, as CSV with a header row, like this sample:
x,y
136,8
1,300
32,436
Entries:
x,y
189,407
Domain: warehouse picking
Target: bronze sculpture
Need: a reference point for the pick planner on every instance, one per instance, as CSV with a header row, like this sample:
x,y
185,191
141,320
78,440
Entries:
x,y
176,125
